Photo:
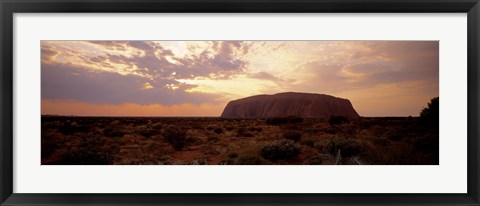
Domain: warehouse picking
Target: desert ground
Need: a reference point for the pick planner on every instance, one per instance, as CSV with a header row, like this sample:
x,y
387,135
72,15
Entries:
x,y
70,140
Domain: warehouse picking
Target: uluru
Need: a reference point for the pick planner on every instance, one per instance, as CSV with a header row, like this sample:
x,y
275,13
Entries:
x,y
306,105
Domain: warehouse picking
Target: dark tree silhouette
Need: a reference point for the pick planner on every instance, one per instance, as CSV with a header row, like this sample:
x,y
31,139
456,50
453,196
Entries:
x,y
430,115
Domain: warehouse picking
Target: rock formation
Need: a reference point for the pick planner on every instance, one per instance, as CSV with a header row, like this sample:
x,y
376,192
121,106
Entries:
x,y
305,105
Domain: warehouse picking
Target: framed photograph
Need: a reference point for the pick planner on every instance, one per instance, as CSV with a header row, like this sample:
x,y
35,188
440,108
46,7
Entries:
x,y
265,102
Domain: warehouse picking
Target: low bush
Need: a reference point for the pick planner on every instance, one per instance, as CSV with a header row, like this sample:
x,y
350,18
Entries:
x,y
49,143
348,147
316,160
255,129
284,120
308,142
213,139
280,150
90,151
242,132
336,120
148,132
197,127
292,135
157,125
381,141
426,144
68,128
218,130
250,159
229,159
396,136
112,131
175,137
232,155
322,145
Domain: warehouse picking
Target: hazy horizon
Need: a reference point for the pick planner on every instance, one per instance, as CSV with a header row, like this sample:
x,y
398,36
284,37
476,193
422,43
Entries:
x,y
198,78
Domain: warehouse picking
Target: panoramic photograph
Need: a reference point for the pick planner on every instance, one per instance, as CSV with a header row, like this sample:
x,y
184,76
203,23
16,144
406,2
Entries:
x,y
147,102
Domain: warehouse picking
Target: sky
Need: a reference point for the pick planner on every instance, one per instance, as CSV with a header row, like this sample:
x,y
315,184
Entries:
x,y
198,78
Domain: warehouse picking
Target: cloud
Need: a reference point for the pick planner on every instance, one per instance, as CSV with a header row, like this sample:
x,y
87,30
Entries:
x,y
67,82
48,54
113,45
269,77
367,64
221,61
263,75
117,71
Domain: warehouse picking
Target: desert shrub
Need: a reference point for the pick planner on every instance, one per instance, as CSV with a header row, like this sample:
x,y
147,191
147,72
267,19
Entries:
x,y
348,147
213,139
316,160
208,150
429,116
322,145
197,126
311,130
276,121
49,143
218,130
280,150
111,131
148,132
336,120
294,119
399,153
250,159
333,129
291,127
157,125
232,155
193,140
175,137
69,128
292,135
226,162
229,159
284,120
382,141
112,148
426,144
255,129
248,134
308,142
198,162
210,128
365,123
348,130
90,151
229,128
396,136
242,132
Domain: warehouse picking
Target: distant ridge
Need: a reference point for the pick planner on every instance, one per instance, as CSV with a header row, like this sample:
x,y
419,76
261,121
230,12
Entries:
x,y
307,105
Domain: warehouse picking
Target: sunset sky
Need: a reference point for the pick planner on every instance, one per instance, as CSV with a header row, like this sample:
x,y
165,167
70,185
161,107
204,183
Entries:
x,y
198,78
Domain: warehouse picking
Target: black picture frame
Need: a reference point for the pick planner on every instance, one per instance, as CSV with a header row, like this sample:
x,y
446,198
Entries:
x,y
10,7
